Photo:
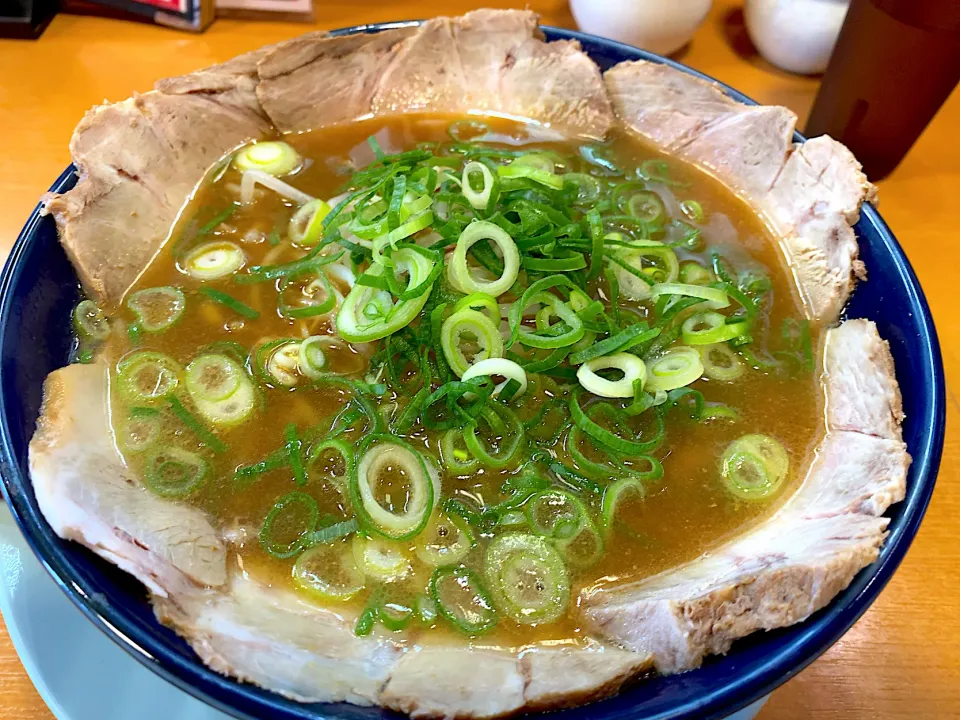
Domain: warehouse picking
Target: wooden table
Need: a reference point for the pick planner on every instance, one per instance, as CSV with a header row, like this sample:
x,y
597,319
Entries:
x,y
902,660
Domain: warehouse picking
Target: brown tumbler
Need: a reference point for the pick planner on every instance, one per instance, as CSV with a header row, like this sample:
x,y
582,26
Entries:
x,y
894,65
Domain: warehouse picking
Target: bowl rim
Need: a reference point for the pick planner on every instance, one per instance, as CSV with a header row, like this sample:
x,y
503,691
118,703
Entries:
x,y
807,641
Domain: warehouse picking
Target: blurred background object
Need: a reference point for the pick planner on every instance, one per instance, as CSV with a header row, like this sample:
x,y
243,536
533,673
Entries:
x,y
660,26
895,63
289,10
795,35
25,19
193,15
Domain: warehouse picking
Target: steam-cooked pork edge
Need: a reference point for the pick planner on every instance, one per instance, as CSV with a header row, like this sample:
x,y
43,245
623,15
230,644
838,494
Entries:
x,y
797,561
810,194
139,162
488,60
87,494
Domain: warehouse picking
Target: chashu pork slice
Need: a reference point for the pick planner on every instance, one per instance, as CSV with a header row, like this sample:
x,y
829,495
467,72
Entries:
x,y
492,61
795,562
809,193
266,635
87,494
139,162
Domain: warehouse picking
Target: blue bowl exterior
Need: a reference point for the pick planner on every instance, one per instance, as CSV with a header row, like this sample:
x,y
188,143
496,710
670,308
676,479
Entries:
x,y
38,288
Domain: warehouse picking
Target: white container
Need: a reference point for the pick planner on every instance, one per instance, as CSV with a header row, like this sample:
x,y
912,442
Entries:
x,y
660,26
795,35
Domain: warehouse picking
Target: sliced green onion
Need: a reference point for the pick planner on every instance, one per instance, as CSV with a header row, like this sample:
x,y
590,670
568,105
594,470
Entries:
x,y
556,514
753,467
520,170
369,314
306,226
328,572
312,360
231,302
381,559
294,447
272,157
157,308
605,437
646,206
720,362
614,495
148,377
527,578
641,266
677,367
510,436
457,460
693,210
306,295
174,472
631,366
707,328
445,541
195,426
693,274
322,450
499,366
220,389
213,377
588,187
478,199
395,616
214,260
459,272
462,600
469,322
716,297
403,519
625,339
480,301
90,322
282,362
291,518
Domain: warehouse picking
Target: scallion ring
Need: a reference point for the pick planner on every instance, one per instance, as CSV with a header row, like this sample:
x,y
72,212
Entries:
x,y
720,362
398,520
555,513
462,600
272,157
459,272
677,367
213,260
633,370
499,366
489,343
213,377
715,297
707,328
147,376
457,460
753,467
307,295
642,265
614,495
174,472
527,578
306,226
328,572
381,559
157,308
478,198
445,541
90,322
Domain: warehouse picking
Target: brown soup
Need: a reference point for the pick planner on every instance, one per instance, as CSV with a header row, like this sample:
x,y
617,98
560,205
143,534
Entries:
x,y
555,497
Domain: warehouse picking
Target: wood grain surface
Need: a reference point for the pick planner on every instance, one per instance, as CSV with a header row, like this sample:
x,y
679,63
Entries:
x,y
902,660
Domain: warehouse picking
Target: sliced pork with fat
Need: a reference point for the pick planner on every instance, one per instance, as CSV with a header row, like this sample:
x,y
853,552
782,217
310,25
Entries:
x,y
797,561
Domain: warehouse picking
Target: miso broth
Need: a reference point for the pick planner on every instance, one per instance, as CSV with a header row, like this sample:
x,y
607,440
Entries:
x,y
235,413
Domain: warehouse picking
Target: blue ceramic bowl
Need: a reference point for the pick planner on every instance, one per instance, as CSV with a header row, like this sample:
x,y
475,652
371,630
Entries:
x,y
39,287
